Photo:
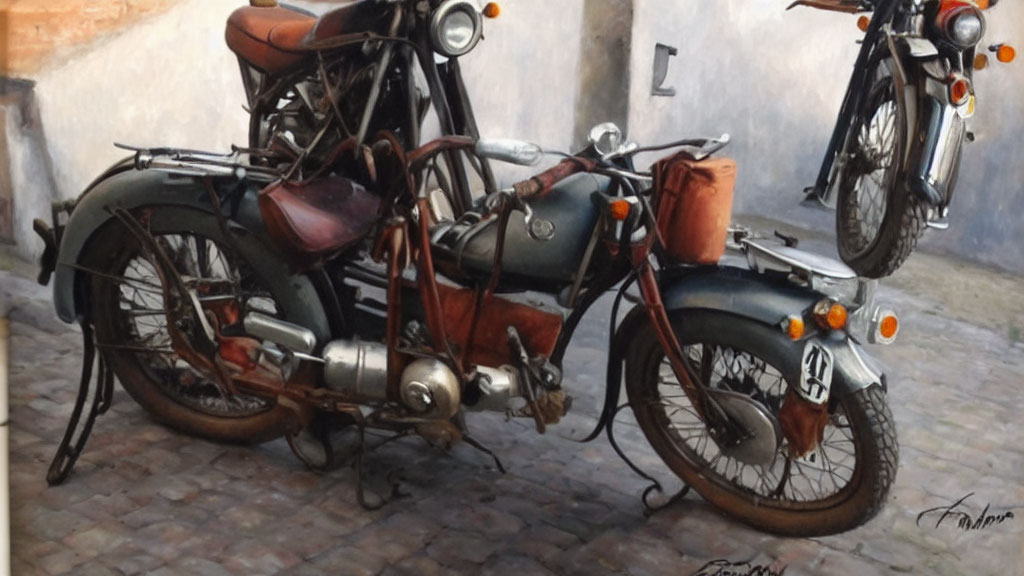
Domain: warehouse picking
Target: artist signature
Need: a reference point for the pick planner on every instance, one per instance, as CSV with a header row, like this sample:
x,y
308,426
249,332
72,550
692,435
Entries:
x,y
727,568
964,520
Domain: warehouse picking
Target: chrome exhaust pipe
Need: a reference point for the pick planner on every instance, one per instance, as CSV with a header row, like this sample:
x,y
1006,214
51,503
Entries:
x,y
291,337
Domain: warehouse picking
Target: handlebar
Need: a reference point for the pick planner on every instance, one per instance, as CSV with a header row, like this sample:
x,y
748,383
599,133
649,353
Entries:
x,y
542,183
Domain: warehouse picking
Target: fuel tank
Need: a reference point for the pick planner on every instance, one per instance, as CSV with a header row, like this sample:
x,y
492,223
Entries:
x,y
563,220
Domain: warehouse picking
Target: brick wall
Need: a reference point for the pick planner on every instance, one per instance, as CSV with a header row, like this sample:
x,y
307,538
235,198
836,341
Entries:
x,y
34,33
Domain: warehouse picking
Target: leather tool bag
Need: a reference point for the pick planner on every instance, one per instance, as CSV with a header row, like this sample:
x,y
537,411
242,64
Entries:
x,y
693,201
310,220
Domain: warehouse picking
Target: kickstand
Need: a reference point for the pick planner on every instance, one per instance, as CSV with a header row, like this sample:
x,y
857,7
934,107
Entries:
x,y
475,444
655,486
360,451
75,436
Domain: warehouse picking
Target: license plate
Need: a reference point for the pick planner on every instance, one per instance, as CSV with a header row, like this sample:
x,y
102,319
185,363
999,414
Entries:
x,y
816,372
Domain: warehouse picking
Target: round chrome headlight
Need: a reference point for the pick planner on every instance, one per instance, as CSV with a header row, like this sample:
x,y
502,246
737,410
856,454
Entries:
x,y
965,26
456,27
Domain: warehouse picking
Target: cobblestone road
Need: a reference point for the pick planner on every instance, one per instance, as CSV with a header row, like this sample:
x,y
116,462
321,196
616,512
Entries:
x,y
144,499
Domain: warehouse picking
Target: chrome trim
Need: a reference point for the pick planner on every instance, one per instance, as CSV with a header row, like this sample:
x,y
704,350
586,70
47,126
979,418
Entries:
x,y
765,255
443,11
920,47
513,151
357,369
947,148
430,388
946,25
857,369
290,336
498,390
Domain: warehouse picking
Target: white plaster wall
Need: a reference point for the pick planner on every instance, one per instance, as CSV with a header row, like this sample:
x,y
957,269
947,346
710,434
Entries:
x,y
774,79
771,78
169,80
523,78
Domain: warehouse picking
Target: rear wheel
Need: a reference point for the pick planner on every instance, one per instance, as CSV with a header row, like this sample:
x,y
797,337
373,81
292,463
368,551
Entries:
x,y
838,486
127,310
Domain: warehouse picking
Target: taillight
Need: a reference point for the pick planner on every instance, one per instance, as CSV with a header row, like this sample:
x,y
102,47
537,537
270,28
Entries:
x,y
962,23
959,90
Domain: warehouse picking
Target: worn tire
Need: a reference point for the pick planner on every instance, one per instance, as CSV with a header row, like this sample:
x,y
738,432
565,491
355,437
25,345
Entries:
x,y
866,410
109,251
903,220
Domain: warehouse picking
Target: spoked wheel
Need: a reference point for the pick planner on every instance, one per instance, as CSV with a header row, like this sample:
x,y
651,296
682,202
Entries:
x,y
838,486
878,220
127,310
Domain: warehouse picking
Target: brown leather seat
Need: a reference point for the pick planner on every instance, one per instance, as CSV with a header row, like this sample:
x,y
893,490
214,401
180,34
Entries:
x,y
276,39
318,217
268,38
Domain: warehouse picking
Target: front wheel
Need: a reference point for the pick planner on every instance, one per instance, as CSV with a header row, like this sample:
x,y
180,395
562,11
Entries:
x,y
839,485
878,220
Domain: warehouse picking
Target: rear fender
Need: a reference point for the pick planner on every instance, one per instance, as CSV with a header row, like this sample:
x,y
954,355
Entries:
x,y
131,189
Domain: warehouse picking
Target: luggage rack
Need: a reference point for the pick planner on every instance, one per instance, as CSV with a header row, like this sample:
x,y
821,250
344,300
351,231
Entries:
x,y
187,162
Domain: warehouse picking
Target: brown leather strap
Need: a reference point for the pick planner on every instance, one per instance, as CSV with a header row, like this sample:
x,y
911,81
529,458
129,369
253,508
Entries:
x,y
542,183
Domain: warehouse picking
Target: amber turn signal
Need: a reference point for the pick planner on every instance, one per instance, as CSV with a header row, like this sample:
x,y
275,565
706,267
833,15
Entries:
x,y
888,327
831,314
794,326
619,210
1006,54
863,23
980,62
981,4
492,10
837,317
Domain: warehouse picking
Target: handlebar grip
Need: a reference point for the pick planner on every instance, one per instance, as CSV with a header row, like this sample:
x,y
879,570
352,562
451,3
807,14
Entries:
x,y
542,183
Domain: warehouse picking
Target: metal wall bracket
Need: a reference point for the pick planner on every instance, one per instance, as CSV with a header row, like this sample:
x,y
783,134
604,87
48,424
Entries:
x,y
662,53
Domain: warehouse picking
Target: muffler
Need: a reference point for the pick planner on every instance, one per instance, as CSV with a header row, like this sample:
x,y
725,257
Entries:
x,y
359,370
286,335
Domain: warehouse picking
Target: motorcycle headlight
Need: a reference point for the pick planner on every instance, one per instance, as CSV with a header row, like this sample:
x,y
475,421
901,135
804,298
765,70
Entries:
x,y
964,25
456,27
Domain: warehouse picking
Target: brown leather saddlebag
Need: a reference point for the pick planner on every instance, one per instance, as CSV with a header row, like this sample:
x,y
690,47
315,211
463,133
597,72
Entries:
x,y
538,330
313,219
693,201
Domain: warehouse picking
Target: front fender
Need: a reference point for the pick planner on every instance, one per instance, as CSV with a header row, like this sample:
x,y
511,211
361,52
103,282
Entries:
x,y
765,298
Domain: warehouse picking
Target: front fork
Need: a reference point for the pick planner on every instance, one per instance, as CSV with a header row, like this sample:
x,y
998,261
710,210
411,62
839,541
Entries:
x,y
936,127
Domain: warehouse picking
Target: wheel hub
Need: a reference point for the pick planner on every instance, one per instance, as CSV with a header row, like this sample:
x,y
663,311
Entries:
x,y
759,432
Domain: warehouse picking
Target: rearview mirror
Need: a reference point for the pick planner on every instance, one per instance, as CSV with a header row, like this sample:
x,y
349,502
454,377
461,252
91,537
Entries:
x,y
606,138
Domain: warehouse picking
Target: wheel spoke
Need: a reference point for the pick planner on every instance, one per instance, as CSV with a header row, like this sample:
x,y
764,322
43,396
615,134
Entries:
x,y
783,479
141,321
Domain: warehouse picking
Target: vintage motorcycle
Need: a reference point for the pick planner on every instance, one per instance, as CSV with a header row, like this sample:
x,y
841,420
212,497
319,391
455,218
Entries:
x,y
892,162
312,82
243,298
235,304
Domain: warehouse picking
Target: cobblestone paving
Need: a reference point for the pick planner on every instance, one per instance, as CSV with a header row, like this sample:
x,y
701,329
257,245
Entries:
x,y
146,500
